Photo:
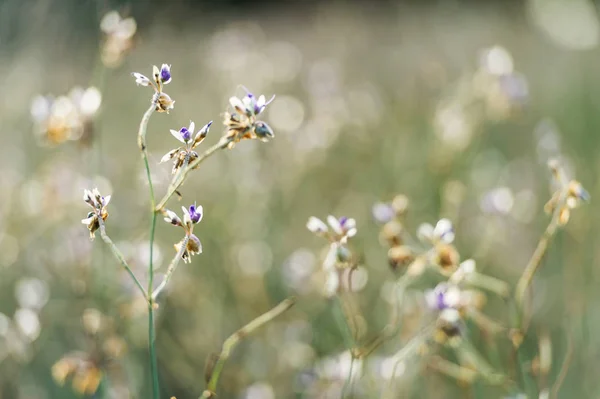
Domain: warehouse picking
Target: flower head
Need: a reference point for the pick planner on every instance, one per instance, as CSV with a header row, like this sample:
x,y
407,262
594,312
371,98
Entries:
x,y
443,232
191,216
185,154
66,117
339,229
193,247
242,123
118,38
160,77
98,203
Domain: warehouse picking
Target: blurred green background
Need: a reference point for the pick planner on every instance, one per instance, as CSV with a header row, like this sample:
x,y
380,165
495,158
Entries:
x,y
373,99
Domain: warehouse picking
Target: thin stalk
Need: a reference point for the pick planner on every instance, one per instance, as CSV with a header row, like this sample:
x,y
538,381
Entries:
x,y
344,326
348,383
151,328
535,261
231,342
178,181
120,257
171,269
564,369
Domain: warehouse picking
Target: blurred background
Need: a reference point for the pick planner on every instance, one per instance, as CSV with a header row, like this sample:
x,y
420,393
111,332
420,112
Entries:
x,y
456,104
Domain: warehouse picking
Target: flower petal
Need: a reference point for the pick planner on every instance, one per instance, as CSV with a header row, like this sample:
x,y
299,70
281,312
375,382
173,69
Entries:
x,y
177,135
335,224
169,155
237,104
140,79
316,225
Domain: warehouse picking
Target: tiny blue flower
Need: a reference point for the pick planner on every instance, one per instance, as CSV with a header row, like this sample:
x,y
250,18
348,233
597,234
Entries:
x,y
195,213
165,73
185,133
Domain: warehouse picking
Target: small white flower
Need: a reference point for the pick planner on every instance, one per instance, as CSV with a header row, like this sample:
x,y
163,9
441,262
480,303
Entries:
x,y
444,231
316,225
141,80
425,232
465,269
171,217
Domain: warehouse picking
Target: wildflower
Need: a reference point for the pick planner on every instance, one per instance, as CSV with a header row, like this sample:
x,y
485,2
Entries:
x,y
569,195
442,253
400,255
191,216
339,229
383,213
443,232
448,301
98,204
160,77
118,39
242,122
185,154
85,373
66,117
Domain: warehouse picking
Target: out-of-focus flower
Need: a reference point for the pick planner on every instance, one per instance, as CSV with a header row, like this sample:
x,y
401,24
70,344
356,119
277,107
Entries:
x,y
66,117
118,39
185,154
443,232
191,216
442,253
98,203
86,369
160,77
85,373
242,122
339,229
569,195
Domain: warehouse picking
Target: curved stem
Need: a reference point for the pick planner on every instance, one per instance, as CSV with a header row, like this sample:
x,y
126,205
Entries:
x,y
171,268
180,178
535,262
151,330
231,342
120,257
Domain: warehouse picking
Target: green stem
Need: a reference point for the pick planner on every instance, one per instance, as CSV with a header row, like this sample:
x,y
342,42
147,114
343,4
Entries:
x,y
534,263
340,318
151,328
120,256
231,342
180,178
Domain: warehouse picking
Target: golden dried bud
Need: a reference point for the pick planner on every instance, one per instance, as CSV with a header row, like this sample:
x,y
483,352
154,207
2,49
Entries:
x,y
391,233
400,256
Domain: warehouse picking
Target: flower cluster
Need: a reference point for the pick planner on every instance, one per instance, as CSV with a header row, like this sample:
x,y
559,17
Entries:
x,y
442,253
185,154
160,77
242,122
191,216
87,368
390,216
569,195
69,117
337,231
118,38
98,203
